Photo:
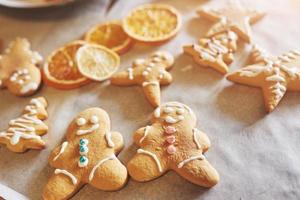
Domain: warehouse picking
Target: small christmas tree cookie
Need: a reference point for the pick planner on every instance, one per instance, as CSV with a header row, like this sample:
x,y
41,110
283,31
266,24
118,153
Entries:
x,y
18,68
215,52
25,132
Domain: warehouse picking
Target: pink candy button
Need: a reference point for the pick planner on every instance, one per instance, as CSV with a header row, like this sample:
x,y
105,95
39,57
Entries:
x,y
170,130
171,149
171,139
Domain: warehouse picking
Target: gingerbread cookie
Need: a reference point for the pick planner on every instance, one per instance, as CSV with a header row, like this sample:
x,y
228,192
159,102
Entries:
x,y
87,157
149,73
233,17
274,75
18,68
25,132
215,52
172,143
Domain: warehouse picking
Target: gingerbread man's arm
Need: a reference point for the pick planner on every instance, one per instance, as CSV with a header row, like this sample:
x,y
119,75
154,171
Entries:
x,y
201,139
125,78
140,135
117,141
167,78
57,153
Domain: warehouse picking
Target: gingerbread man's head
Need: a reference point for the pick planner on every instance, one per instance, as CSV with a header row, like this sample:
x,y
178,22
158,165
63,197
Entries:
x,y
159,57
173,113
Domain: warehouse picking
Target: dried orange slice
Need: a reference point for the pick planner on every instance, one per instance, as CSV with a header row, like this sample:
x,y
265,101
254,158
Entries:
x,y
60,70
110,35
97,62
152,23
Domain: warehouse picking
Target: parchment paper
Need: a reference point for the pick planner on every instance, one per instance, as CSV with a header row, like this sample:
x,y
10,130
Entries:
x,y
256,154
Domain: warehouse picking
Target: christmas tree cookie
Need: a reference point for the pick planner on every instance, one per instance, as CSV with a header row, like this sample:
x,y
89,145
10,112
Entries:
x,y
25,131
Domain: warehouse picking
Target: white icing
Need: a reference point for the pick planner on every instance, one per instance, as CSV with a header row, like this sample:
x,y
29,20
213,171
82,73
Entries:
x,y
87,131
91,176
83,164
94,119
62,150
29,87
180,111
276,77
181,164
168,110
172,120
146,131
130,73
15,136
142,151
109,141
195,133
157,112
81,121
146,83
68,174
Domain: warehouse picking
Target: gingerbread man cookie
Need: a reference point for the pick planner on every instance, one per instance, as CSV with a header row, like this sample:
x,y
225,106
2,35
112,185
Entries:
x,y
172,143
215,51
274,75
25,132
232,17
18,68
149,73
88,156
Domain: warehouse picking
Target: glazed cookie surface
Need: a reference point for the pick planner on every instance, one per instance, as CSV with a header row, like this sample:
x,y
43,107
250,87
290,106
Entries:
x,y
18,68
25,132
275,75
88,156
149,74
172,142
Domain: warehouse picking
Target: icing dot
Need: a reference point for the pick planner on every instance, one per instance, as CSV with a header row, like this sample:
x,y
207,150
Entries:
x,y
171,139
83,150
83,161
21,82
27,77
25,71
151,64
94,119
83,142
170,130
171,149
81,121
145,73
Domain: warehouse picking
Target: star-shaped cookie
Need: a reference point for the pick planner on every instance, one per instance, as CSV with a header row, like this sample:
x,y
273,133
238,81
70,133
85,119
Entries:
x,y
275,75
149,73
233,17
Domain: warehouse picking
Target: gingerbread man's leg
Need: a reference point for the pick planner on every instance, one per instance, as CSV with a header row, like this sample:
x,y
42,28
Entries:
x,y
145,166
61,185
200,172
152,92
108,174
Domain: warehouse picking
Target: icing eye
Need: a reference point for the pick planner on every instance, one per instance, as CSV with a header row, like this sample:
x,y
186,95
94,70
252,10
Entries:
x,y
180,111
81,121
94,119
168,110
